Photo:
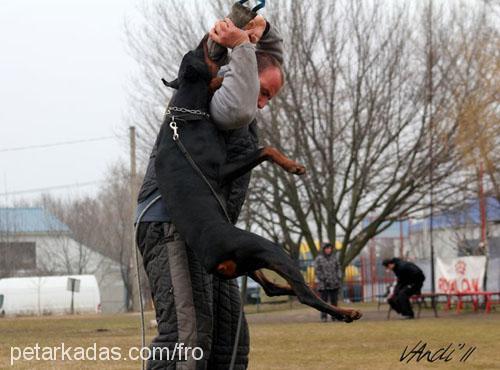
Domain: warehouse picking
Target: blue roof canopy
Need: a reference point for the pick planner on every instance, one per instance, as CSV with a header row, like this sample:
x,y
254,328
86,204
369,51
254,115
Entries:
x,y
469,214
29,220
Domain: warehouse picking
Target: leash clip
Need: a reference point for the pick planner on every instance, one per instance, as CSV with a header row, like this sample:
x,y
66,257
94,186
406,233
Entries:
x,y
173,126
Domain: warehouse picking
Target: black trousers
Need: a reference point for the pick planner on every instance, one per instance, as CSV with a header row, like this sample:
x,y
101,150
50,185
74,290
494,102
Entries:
x,y
192,307
400,300
329,296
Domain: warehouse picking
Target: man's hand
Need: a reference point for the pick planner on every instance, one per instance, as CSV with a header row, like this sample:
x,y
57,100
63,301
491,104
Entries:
x,y
255,28
225,33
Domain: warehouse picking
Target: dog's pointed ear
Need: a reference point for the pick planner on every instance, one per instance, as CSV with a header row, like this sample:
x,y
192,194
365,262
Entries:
x,y
193,67
172,84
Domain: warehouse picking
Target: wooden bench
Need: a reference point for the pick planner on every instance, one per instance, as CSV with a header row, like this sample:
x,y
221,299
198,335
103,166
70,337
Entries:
x,y
420,300
490,300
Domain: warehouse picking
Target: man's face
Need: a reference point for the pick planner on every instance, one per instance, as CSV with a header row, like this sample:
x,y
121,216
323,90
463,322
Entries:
x,y
270,85
328,251
390,266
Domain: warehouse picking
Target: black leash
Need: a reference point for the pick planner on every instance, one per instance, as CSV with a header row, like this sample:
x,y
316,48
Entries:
x,y
184,151
200,173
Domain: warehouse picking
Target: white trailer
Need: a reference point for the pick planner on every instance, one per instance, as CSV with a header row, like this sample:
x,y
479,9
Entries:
x,y
49,295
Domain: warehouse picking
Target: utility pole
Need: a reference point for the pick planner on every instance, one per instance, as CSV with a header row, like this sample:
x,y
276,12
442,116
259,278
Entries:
x,y
401,242
483,244
482,205
430,86
133,282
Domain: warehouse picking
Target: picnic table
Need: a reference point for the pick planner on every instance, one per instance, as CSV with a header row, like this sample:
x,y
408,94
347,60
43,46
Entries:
x,y
490,299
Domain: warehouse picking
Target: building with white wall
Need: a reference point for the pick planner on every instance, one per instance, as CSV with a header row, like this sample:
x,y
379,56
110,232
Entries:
x,y
33,242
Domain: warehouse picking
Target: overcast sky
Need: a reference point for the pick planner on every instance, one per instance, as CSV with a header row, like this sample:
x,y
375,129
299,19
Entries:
x,y
63,72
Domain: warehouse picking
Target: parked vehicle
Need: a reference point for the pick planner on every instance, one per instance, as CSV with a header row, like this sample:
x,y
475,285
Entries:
x,y
48,295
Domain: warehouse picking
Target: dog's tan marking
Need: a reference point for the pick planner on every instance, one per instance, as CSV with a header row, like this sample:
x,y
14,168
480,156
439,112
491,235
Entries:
x,y
214,84
263,279
227,269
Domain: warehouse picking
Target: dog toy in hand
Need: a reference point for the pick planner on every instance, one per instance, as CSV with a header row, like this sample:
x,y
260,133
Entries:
x,y
241,16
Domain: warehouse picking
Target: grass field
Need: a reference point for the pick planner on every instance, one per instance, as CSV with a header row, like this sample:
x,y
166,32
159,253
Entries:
x,y
282,339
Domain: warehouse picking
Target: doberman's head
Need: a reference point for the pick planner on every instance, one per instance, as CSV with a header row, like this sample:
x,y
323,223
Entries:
x,y
197,69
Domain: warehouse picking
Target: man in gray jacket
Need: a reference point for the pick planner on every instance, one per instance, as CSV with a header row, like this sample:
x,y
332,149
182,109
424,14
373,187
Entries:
x,y
192,307
328,276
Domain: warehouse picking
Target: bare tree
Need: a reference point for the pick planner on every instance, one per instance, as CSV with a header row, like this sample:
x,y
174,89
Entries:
x,y
114,214
367,84
356,111
478,114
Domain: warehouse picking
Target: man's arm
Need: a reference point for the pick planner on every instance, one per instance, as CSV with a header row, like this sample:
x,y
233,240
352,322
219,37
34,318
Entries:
x,y
234,104
271,43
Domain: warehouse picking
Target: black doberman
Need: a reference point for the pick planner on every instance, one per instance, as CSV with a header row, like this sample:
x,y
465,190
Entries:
x,y
222,248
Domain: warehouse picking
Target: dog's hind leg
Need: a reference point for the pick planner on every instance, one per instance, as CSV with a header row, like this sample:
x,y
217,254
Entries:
x,y
227,269
271,289
233,170
250,252
297,287
306,295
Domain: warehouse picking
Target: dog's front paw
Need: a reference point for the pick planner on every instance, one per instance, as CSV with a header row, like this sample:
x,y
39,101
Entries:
x,y
295,168
300,170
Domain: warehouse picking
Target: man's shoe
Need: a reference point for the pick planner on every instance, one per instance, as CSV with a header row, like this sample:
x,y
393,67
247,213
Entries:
x,y
408,317
324,319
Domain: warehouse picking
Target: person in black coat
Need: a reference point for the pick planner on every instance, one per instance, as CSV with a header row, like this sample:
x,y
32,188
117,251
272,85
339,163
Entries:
x,y
410,281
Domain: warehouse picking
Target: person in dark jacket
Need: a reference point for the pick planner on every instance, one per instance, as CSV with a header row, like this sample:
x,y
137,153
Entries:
x,y
328,276
410,282
193,307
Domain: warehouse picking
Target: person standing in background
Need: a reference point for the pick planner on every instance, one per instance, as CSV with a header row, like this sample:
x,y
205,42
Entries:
x,y
328,276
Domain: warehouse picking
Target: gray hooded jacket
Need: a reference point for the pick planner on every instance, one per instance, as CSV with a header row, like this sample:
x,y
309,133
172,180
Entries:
x,y
327,271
